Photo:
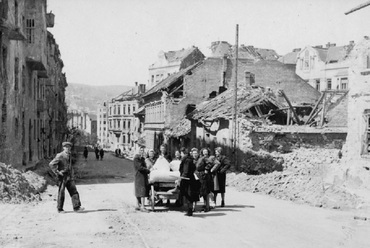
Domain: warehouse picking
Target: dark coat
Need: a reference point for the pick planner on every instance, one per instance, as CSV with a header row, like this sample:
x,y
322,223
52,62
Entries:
x,y
205,177
189,187
141,177
86,153
221,173
101,152
63,162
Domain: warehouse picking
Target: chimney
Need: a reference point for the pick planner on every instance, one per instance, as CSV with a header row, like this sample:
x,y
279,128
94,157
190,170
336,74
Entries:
x,y
141,88
249,78
366,37
135,83
318,46
223,72
327,45
296,50
351,43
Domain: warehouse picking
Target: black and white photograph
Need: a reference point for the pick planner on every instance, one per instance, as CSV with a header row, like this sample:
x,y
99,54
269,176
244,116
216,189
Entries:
x,y
184,123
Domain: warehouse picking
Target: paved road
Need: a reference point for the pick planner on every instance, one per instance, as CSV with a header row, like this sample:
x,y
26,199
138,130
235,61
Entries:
x,y
248,220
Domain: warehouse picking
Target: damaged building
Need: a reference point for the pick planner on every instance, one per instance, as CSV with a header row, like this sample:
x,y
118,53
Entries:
x,y
32,88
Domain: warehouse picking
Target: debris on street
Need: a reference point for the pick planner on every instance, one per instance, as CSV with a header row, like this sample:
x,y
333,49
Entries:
x,y
306,178
18,187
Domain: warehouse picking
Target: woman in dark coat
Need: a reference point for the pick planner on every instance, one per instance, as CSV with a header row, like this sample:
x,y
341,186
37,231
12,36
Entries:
x,y
205,176
97,153
86,153
141,180
189,187
221,175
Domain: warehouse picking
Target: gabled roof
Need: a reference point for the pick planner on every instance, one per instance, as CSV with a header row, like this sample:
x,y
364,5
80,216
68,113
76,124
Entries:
x,y
289,58
125,96
165,83
322,52
172,57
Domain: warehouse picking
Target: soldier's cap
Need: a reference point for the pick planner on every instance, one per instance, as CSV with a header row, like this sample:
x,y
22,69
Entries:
x,y
67,144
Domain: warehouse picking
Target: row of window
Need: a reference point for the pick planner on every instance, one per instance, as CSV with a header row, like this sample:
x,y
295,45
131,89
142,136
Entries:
x,y
154,113
118,109
342,84
117,124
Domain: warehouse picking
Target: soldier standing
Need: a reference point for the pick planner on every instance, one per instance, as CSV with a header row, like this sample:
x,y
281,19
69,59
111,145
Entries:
x,y
61,165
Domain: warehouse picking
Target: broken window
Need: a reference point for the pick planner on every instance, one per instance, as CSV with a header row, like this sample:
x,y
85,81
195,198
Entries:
x,y
30,31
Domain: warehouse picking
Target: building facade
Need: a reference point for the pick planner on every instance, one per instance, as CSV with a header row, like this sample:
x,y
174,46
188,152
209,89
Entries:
x,y
325,68
102,126
121,119
171,62
30,63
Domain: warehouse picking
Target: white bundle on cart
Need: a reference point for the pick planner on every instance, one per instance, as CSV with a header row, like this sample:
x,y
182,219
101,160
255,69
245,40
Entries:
x,y
161,172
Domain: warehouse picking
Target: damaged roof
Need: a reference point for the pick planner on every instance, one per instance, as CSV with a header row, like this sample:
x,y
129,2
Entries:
x,y
179,128
279,76
222,105
168,81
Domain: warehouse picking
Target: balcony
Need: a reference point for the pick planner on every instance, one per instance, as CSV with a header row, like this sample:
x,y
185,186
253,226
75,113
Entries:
x,y
50,20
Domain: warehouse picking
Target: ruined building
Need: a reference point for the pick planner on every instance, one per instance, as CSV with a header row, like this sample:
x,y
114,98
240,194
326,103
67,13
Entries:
x,y
33,111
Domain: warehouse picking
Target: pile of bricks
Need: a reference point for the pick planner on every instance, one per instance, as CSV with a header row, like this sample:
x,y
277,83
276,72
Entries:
x,y
17,187
303,180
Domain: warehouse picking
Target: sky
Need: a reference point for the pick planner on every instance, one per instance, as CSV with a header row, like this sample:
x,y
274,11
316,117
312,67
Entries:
x,y
113,42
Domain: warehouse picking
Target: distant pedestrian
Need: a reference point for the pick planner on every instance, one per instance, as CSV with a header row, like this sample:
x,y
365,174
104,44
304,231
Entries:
x,y
86,153
61,165
97,153
101,152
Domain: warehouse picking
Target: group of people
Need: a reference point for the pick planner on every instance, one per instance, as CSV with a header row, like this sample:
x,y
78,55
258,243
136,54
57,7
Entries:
x,y
99,153
202,175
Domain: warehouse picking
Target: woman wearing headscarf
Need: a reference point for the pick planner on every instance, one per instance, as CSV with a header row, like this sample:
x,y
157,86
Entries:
x,y
205,177
188,185
221,175
141,183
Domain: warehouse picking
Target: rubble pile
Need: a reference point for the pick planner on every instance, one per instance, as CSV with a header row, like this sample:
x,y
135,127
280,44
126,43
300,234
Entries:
x,y
304,179
17,187
42,168
256,163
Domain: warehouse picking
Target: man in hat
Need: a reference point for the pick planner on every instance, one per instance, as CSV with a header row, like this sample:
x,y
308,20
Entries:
x,y
61,165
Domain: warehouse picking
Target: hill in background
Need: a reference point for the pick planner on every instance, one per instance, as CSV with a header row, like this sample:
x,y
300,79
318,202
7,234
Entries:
x,y
86,97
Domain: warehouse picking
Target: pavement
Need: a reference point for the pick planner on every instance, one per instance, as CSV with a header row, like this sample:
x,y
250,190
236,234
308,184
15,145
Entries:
x,y
110,219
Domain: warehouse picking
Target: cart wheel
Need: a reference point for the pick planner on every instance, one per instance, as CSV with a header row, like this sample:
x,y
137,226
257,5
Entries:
x,y
152,196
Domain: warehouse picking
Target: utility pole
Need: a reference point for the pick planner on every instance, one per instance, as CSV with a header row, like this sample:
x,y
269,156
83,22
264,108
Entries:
x,y
235,117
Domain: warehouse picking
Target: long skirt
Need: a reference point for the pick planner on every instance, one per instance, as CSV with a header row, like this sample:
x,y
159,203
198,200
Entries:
x,y
206,183
190,189
221,178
